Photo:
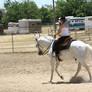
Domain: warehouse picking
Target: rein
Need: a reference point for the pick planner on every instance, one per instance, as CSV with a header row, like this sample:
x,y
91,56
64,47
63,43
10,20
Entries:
x,y
46,50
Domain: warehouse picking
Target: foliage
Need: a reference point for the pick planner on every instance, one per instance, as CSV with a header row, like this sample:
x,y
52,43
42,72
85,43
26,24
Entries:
x,y
46,15
73,8
15,10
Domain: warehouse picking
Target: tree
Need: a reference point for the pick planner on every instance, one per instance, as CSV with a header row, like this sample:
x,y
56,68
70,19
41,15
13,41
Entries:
x,y
61,8
0,14
29,10
46,15
73,8
16,11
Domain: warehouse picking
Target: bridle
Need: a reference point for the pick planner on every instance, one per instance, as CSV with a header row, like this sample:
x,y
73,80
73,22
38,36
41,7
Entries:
x,y
44,50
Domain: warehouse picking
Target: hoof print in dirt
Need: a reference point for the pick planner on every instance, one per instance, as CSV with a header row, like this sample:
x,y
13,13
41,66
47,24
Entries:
x,y
77,80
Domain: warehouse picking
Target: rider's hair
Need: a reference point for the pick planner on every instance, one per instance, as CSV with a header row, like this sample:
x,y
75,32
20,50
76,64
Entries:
x,y
62,18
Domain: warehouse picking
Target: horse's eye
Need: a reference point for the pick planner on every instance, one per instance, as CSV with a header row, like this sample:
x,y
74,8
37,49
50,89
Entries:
x,y
36,45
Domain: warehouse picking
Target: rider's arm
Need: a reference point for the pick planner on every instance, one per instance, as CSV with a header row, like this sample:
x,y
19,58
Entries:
x,y
59,31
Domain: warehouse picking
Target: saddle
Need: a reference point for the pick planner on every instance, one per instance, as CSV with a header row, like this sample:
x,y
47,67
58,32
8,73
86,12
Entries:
x,y
66,44
66,41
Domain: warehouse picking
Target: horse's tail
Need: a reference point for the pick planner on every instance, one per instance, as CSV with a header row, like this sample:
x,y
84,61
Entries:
x,y
89,48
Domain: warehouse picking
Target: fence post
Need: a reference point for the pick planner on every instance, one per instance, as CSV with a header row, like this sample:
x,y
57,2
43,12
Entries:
x,y
48,31
89,33
76,29
12,43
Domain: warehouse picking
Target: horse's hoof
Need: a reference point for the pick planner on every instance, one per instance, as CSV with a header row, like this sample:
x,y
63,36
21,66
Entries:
x,y
59,59
50,82
62,77
90,80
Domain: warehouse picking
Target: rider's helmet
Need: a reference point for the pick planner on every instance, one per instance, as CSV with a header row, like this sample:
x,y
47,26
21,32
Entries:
x,y
63,19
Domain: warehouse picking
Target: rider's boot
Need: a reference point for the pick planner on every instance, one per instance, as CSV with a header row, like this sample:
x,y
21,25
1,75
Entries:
x,y
58,57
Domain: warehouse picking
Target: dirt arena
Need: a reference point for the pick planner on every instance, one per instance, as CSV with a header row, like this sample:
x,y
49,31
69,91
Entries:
x,y
28,72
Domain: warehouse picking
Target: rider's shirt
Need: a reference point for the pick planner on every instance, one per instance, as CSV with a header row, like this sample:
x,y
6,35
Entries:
x,y
65,30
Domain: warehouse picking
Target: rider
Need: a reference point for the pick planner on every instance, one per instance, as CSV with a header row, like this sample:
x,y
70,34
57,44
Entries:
x,y
63,33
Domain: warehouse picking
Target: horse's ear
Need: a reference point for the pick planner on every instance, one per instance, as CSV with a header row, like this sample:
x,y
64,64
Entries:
x,y
36,38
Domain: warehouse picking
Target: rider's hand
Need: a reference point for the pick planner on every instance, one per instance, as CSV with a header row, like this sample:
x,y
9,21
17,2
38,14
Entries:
x,y
54,36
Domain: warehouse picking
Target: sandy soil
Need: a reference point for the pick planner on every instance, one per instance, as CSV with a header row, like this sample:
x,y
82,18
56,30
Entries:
x,y
28,72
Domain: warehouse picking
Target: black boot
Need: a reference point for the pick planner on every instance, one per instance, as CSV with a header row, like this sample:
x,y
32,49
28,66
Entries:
x,y
57,56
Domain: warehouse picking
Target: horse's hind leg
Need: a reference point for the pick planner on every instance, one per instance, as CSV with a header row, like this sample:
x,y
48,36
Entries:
x,y
78,70
56,69
88,70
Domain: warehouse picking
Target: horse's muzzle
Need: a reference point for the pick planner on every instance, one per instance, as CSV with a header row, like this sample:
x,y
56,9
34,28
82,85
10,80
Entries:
x,y
40,53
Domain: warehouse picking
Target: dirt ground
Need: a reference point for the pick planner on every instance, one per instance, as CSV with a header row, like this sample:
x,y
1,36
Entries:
x,y
28,72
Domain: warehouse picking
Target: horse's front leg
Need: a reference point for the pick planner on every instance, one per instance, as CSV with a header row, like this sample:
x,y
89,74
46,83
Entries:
x,y
56,69
52,68
78,70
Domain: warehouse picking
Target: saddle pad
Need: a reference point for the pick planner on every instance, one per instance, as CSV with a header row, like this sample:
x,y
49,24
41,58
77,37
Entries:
x,y
67,45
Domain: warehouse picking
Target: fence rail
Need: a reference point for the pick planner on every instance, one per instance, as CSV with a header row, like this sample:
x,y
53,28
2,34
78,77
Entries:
x,y
26,43
17,43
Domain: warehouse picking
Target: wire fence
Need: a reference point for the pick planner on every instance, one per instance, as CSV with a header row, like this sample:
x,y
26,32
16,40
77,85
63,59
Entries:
x,y
26,43
17,43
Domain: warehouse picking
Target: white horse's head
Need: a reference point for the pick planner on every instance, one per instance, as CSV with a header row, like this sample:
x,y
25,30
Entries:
x,y
43,43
